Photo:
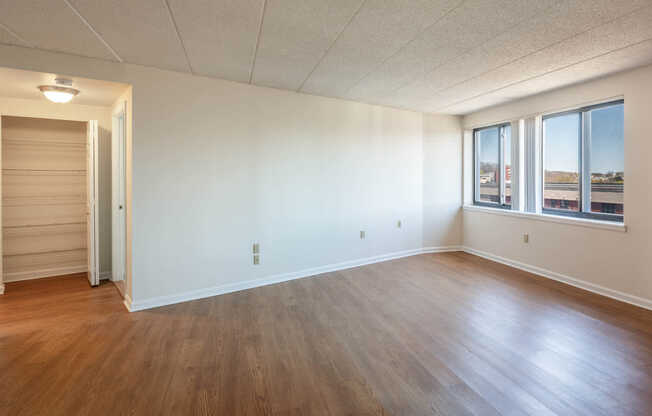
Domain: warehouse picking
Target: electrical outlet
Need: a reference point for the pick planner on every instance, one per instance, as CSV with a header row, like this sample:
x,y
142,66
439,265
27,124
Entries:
x,y
256,248
362,235
256,259
526,238
399,224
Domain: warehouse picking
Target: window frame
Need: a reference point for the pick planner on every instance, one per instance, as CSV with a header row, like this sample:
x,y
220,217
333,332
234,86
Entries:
x,y
584,165
501,168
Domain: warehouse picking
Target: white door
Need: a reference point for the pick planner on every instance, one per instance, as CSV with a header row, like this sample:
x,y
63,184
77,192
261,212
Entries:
x,y
118,201
92,215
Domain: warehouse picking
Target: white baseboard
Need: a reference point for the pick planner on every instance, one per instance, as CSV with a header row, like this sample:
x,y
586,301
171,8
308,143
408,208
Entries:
x,y
443,249
105,275
38,274
582,284
284,277
234,287
127,302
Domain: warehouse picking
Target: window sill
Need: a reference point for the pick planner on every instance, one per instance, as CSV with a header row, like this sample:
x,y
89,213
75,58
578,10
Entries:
x,y
580,222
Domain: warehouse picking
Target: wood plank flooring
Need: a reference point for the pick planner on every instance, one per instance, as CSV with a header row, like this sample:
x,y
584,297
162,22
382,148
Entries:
x,y
437,334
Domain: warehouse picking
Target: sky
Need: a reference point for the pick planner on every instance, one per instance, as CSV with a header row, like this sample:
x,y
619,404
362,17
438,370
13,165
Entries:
x,y
607,141
489,145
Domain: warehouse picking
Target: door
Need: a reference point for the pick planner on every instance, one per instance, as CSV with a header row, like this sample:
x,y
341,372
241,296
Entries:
x,y
92,215
118,201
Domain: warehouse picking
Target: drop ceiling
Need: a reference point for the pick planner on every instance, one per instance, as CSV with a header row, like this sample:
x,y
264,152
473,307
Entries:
x,y
441,56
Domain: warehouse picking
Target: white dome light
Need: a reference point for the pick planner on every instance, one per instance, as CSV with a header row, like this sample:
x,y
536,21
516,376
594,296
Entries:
x,y
59,93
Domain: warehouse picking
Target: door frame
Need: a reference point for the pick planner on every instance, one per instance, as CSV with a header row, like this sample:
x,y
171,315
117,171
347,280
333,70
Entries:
x,y
2,285
119,193
92,200
95,240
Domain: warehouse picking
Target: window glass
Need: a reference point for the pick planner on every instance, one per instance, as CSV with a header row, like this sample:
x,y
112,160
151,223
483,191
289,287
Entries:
x,y
607,162
488,153
507,174
561,183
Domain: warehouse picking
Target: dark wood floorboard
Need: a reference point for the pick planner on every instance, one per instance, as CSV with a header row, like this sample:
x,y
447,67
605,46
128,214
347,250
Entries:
x,y
439,334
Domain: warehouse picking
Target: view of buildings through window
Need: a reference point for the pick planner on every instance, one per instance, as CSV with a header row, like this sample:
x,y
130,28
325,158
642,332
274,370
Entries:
x,y
561,172
608,159
490,142
489,159
583,162
602,159
507,164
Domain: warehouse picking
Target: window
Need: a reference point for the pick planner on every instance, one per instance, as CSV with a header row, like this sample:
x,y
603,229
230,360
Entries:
x,y
607,159
493,164
561,166
583,162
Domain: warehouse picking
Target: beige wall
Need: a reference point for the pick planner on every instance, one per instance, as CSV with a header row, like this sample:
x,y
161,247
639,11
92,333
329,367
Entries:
x,y
442,181
613,260
46,109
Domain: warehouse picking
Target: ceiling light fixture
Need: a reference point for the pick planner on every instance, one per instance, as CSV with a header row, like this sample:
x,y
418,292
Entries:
x,y
60,93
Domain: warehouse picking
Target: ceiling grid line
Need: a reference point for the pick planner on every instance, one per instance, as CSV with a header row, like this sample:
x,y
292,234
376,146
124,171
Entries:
x,y
16,35
90,27
176,30
260,32
321,58
537,51
544,74
435,68
405,45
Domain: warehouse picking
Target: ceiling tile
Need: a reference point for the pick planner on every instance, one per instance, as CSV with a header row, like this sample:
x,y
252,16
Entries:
x,y
620,60
51,25
378,30
621,33
559,23
219,36
141,32
8,39
468,26
295,36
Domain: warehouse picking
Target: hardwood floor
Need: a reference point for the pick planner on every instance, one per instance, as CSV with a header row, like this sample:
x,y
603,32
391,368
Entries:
x,y
443,334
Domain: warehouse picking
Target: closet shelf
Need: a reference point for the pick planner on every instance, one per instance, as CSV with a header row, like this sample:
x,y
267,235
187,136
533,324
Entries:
x,y
52,224
45,171
43,252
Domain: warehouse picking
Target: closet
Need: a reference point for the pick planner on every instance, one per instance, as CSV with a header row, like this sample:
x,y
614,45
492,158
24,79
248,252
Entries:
x,y
44,203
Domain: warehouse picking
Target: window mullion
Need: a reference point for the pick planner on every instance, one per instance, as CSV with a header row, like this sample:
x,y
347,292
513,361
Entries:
x,y
476,168
585,155
501,165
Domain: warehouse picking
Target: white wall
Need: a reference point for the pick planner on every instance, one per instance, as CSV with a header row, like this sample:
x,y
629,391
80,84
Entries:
x,y
442,181
76,112
217,165
613,260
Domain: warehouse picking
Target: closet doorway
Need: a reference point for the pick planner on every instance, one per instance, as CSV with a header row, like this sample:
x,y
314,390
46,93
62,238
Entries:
x,y
49,198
